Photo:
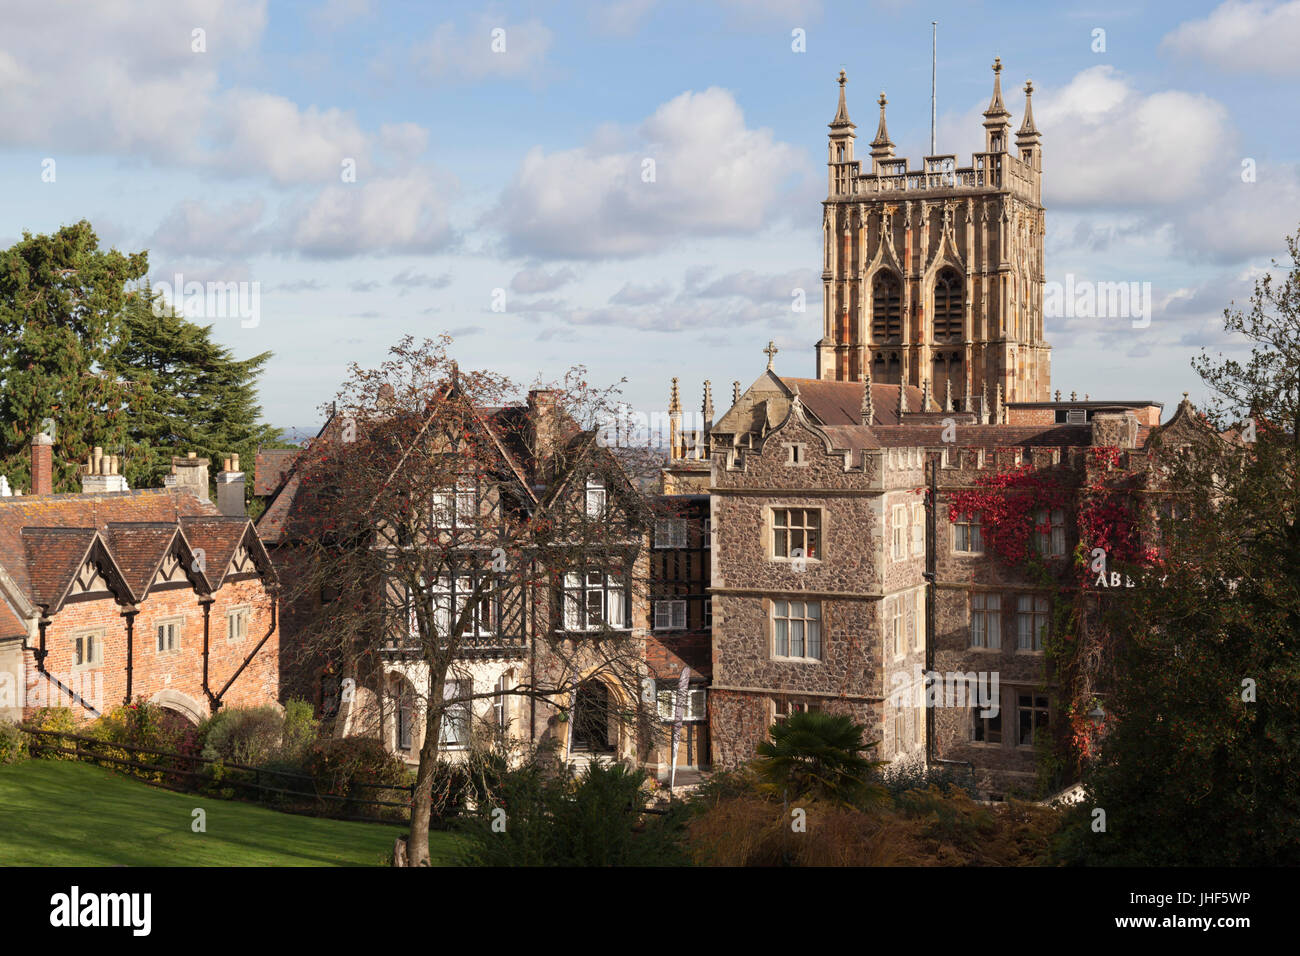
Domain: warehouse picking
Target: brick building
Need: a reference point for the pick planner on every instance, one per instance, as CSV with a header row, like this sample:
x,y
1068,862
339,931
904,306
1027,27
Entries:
x,y
113,595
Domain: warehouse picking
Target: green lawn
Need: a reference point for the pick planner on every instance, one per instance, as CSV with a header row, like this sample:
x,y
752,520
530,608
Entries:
x,y
65,813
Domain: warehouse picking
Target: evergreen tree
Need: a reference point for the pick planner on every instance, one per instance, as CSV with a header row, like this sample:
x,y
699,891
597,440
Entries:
x,y
186,393
61,302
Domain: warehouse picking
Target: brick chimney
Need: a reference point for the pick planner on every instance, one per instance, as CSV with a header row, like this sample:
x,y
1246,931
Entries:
x,y
102,473
42,464
190,473
230,488
543,430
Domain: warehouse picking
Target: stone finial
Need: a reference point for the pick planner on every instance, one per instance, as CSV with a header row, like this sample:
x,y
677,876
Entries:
x,y
1058,394
999,409
902,401
674,399
1028,130
868,413
1074,396
966,401
735,393
947,395
984,402
770,351
707,408
842,120
925,395
882,147
996,106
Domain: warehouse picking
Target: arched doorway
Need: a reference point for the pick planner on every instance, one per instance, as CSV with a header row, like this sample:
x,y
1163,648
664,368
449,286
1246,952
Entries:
x,y
182,705
593,731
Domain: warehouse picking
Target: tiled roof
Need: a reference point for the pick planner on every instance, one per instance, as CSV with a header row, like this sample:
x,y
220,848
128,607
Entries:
x,y
272,465
218,536
139,548
53,557
840,403
85,511
45,539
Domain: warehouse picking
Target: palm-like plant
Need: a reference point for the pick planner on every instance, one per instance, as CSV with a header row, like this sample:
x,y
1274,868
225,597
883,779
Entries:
x,y
819,754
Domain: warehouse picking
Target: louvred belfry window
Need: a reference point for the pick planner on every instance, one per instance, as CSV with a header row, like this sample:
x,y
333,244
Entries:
x,y
948,305
886,308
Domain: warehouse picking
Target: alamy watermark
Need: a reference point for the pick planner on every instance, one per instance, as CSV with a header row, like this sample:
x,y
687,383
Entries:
x,y
1085,299
210,300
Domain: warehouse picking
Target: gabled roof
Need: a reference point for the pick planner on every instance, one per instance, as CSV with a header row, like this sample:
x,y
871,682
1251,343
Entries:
x,y
139,549
220,537
53,557
46,540
94,511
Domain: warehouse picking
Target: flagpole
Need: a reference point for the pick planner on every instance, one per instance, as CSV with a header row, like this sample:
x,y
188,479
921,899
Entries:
x,y
934,59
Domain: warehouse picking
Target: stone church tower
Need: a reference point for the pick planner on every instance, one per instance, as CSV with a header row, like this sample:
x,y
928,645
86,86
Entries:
x,y
936,275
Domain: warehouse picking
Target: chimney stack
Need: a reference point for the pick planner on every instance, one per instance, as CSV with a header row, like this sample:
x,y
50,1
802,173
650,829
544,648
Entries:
x,y
543,430
42,464
102,473
230,488
190,473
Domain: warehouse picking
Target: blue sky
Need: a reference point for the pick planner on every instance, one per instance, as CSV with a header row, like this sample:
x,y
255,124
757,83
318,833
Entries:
x,y
476,171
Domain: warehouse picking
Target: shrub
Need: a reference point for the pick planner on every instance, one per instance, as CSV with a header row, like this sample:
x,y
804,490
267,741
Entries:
x,y
949,779
553,820
244,735
300,730
13,743
338,765
57,719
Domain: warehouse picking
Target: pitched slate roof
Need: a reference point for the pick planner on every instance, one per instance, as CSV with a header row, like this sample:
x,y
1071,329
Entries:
x,y
139,548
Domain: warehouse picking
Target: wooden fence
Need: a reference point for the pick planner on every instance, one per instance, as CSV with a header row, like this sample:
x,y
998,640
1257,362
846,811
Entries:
x,y
192,773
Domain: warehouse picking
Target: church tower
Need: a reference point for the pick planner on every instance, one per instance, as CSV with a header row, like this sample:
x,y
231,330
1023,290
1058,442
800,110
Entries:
x,y
936,275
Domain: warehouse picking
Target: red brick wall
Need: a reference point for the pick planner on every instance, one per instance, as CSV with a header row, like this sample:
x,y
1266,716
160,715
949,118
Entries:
x,y
181,670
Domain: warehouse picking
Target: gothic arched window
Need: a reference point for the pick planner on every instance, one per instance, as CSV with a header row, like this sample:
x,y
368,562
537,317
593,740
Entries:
x,y
886,308
948,305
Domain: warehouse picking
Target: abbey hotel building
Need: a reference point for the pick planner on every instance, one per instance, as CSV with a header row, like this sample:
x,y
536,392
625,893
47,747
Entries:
x,y
933,314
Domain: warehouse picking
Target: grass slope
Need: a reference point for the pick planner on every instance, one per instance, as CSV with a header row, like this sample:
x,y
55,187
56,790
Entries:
x,y
64,813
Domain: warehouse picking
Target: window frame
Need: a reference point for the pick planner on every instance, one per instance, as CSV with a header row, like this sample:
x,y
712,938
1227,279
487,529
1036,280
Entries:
x,y
242,612
595,491
974,533
575,600
1039,607
978,609
176,622
813,535
673,540
781,609
673,606
78,640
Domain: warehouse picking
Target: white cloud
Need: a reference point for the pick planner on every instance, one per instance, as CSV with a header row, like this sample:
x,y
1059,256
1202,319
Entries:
x,y
333,14
634,293
263,131
398,214
1247,36
490,47
1239,220
532,281
700,171
195,228
1105,142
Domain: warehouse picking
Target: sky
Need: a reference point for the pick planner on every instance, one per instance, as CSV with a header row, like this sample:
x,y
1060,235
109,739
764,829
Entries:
x,y
633,186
